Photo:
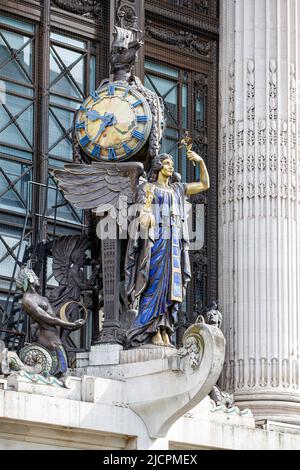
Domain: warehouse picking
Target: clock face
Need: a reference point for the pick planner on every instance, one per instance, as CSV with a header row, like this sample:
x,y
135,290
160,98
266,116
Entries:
x,y
113,123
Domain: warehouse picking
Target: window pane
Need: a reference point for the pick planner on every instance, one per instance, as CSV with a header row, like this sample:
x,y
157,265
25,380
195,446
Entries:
x,y
199,106
200,223
68,40
15,152
169,92
59,121
184,106
13,134
183,164
8,262
56,163
92,74
162,68
65,102
65,85
25,26
171,146
16,199
16,42
50,277
7,87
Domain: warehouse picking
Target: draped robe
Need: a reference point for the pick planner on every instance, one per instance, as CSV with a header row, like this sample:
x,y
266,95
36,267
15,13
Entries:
x,y
157,268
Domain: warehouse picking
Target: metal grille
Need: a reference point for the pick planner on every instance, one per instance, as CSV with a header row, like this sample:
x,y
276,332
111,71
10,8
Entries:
x,y
46,71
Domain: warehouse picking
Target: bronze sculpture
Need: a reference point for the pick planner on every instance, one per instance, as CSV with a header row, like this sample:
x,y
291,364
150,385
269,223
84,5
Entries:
x,y
157,268
100,186
45,328
162,191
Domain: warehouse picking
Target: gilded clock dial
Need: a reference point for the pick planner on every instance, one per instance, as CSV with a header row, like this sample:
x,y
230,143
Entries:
x,y
113,123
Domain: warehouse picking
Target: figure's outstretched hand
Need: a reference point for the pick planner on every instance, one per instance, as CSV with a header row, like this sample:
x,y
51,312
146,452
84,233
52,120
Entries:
x,y
147,220
194,157
79,323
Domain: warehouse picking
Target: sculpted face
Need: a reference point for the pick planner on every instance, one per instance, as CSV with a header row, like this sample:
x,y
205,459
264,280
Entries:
x,y
213,317
168,168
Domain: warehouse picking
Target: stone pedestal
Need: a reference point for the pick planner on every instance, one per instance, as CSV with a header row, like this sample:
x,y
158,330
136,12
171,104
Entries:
x,y
259,219
161,383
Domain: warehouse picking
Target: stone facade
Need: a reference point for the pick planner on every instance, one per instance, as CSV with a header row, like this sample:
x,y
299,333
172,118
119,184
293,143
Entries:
x,y
259,268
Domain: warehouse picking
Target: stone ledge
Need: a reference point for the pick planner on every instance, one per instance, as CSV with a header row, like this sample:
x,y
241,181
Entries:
x,y
145,354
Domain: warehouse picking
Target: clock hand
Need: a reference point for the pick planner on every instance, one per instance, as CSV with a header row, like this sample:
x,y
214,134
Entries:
x,y
108,120
93,115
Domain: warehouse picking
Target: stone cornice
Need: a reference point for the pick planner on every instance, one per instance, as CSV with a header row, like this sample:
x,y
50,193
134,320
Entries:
x,y
180,15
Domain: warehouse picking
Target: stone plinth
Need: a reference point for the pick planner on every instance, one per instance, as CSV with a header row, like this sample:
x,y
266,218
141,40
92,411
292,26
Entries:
x,y
162,383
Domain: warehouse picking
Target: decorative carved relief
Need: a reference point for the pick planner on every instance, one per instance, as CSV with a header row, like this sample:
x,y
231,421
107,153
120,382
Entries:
x,y
200,92
273,90
199,5
88,8
293,135
231,133
210,23
205,7
126,14
183,40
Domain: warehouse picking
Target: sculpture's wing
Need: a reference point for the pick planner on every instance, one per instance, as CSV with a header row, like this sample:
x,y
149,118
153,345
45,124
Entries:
x,y
67,250
89,186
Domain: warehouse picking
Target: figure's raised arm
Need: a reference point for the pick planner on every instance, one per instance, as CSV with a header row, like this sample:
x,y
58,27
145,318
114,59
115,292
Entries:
x,y
203,184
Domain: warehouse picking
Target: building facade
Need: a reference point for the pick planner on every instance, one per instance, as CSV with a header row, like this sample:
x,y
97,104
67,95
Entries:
x,y
54,54
227,72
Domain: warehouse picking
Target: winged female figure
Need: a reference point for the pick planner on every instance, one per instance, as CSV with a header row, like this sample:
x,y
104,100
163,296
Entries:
x,y
157,267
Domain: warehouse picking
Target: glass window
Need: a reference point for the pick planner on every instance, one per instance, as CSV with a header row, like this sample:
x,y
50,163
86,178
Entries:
x,y
17,99
18,67
66,72
10,238
24,26
68,88
16,122
161,68
174,92
68,40
199,107
14,178
60,130
93,74
184,106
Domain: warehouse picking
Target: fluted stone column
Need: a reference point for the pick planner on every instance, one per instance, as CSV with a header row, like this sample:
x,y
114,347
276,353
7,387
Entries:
x,y
259,202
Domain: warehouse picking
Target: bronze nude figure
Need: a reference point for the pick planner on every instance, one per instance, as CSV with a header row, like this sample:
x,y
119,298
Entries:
x,y
45,327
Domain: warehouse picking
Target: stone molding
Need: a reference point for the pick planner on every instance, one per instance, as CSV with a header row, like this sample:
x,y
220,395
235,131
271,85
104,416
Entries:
x,y
181,39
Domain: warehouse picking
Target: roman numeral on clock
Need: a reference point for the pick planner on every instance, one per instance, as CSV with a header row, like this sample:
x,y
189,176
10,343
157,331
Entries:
x,y
142,118
137,103
111,88
126,92
94,95
112,154
127,149
96,151
138,135
80,125
85,141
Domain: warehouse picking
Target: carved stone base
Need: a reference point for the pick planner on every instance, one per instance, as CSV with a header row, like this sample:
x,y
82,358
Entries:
x,y
162,383
283,407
